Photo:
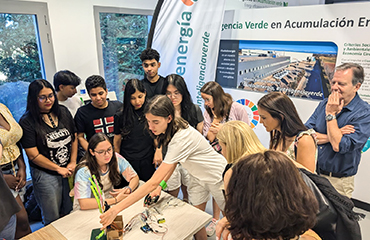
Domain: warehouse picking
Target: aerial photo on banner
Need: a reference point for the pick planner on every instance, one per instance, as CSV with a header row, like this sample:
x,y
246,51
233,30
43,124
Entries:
x,y
299,69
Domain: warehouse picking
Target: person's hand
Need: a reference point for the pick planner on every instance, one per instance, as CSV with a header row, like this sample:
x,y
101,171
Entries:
x,y
115,192
215,127
64,172
156,192
107,218
221,229
157,160
11,181
335,103
71,166
348,129
21,176
120,194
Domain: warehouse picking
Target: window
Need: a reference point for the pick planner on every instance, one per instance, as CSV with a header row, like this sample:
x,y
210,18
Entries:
x,y
121,36
26,51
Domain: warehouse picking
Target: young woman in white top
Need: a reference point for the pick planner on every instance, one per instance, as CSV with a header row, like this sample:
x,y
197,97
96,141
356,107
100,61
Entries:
x,y
185,145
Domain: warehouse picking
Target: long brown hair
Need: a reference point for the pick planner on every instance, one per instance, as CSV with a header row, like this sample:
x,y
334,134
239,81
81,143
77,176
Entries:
x,y
92,164
268,199
162,106
222,101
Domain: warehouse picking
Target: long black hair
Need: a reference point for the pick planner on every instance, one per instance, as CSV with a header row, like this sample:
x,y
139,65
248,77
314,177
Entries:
x,y
34,111
186,104
280,107
92,164
128,111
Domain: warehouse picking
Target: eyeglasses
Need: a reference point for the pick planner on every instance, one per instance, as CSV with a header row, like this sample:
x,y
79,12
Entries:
x,y
103,152
44,98
175,94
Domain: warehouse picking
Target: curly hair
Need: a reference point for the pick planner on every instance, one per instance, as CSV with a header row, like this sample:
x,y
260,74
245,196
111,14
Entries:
x,y
95,81
267,198
149,54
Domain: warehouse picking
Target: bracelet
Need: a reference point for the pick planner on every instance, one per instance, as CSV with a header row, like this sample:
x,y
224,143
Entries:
x,y
163,185
115,199
129,188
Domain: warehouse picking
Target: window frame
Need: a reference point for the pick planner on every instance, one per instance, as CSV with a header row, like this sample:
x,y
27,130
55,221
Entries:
x,y
46,50
102,9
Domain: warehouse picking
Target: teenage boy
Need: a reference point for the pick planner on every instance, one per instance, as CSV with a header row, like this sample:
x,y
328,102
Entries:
x,y
153,83
98,115
65,83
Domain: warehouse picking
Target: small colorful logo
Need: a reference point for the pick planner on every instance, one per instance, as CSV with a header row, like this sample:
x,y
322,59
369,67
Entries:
x,y
251,108
189,2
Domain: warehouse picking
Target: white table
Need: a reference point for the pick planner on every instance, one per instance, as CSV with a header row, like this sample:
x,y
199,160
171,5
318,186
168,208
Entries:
x,y
182,222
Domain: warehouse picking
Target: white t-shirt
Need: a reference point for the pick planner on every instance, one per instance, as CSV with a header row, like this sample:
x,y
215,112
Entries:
x,y
193,151
72,104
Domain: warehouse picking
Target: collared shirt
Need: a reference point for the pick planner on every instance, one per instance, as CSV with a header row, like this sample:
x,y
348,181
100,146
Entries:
x,y
346,161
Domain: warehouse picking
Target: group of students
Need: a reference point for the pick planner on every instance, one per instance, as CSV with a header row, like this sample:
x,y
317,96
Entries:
x,y
158,135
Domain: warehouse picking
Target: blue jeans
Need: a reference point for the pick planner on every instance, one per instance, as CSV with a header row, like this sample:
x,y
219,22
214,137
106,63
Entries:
x,y
8,232
52,195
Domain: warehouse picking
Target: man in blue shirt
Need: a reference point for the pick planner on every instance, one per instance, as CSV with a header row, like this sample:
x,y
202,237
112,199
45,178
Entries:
x,y
342,123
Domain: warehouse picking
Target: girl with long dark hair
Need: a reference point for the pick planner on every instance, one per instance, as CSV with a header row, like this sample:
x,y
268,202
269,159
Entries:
x,y
185,145
178,93
49,139
100,160
131,139
287,131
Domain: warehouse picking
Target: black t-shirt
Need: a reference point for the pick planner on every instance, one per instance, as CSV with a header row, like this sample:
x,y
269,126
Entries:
x,y
91,120
197,115
138,144
55,144
156,88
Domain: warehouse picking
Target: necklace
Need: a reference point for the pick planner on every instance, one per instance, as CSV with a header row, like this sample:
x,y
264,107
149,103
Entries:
x,y
51,120
138,116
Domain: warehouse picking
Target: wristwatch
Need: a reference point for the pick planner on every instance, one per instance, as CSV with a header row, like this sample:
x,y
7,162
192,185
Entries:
x,y
329,117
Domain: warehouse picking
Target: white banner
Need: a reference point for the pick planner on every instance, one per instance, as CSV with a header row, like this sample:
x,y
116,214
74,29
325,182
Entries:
x,y
279,3
304,36
187,36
